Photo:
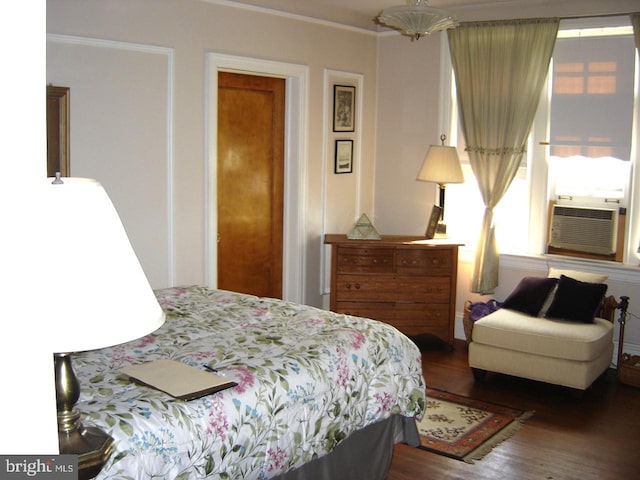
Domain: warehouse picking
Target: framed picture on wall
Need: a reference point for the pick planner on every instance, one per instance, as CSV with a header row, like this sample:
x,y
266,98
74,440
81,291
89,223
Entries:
x,y
344,156
57,131
344,107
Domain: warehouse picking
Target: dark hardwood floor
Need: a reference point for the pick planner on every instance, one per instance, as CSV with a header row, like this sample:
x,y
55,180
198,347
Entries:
x,y
594,437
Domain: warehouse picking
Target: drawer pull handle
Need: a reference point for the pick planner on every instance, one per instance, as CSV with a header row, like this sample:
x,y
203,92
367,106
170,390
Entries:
x,y
412,263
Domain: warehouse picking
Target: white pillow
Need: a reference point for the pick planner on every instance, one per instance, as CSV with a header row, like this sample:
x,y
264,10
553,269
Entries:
x,y
578,275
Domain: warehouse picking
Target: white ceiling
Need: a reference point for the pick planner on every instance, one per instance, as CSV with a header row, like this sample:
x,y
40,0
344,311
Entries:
x,y
359,13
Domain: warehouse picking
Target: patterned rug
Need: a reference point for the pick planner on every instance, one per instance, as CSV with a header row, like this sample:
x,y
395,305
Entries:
x,y
464,428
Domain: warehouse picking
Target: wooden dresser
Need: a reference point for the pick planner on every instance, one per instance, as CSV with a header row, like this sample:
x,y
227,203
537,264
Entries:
x,y
406,281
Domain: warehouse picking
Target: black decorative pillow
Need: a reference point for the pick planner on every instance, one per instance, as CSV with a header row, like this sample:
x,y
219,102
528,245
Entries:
x,y
530,294
576,301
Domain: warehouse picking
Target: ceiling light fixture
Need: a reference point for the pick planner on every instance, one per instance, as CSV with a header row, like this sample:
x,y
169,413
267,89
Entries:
x,y
417,19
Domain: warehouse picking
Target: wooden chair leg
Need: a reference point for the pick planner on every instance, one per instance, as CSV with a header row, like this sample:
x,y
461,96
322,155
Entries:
x,y
479,374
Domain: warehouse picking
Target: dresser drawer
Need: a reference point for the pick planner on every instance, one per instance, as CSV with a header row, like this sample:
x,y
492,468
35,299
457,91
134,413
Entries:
x,y
423,261
416,319
381,311
409,318
428,314
393,288
414,329
365,260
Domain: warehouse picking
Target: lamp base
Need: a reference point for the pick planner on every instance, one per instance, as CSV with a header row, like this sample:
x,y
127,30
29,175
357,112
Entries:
x,y
92,445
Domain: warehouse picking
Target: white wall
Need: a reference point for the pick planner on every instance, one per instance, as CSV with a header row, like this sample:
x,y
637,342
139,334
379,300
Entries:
x,y
138,76
120,133
409,119
408,122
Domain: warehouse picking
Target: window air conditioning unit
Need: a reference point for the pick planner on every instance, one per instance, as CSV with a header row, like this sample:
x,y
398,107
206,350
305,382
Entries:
x,y
583,229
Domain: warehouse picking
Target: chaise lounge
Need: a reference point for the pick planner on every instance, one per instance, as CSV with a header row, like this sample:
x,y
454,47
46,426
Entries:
x,y
557,329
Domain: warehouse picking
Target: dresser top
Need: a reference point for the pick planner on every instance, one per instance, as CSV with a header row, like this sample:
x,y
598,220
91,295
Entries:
x,y
391,240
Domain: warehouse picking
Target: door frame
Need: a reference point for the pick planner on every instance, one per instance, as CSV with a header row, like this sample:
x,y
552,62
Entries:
x,y
295,165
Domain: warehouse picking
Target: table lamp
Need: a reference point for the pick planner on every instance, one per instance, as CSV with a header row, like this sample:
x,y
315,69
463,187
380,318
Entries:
x,y
98,294
441,165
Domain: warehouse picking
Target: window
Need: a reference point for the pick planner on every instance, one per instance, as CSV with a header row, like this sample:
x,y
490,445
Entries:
x,y
581,149
591,115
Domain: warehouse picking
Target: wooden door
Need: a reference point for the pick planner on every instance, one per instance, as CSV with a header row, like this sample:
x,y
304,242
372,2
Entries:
x,y
250,183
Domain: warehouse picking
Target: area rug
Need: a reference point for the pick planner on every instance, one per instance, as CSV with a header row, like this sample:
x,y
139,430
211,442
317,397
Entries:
x,y
464,428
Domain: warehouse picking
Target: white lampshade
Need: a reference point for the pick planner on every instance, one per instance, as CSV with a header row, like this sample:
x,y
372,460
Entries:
x,y
96,292
441,165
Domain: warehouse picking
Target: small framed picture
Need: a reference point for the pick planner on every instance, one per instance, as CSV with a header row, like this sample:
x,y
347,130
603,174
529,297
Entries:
x,y
436,212
344,156
58,108
344,107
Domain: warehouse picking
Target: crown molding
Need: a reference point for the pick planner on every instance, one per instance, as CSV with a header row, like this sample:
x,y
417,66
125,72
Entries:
x,y
291,16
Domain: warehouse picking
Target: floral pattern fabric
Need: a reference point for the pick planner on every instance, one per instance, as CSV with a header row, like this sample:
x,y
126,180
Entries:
x,y
307,378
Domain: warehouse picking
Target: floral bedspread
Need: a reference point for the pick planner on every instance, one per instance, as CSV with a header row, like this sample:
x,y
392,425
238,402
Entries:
x,y
307,378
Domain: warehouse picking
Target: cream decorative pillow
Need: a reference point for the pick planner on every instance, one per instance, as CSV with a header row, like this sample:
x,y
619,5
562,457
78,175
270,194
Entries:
x,y
578,275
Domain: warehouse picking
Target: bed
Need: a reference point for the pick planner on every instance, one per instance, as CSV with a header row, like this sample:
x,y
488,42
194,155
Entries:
x,y
319,395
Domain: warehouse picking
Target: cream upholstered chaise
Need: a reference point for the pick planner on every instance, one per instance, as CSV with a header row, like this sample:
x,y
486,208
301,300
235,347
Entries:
x,y
547,331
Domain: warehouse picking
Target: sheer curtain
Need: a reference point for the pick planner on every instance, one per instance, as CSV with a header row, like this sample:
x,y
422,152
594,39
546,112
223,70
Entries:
x,y
500,69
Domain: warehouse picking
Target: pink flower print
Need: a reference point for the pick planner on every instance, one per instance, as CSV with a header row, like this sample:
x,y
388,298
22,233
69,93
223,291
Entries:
x,y
385,400
358,339
217,424
167,301
343,371
314,321
200,356
146,340
119,359
164,302
277,458
246,379
246,324
259,312
120,355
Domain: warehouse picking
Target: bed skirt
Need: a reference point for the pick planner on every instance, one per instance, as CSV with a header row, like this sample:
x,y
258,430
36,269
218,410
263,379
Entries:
x,y
365,454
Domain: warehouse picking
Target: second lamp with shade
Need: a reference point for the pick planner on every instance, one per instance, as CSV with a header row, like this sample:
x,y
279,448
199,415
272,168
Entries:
x,y
441,165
